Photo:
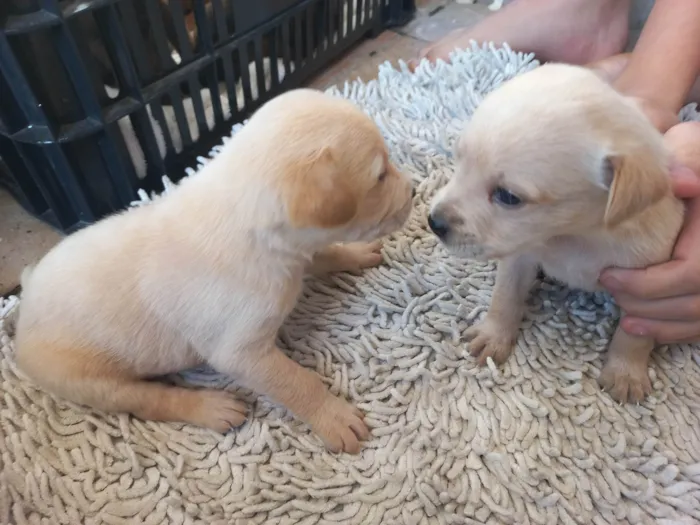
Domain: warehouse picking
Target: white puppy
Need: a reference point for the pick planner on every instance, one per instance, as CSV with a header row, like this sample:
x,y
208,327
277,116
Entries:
x,y
560,172
209,273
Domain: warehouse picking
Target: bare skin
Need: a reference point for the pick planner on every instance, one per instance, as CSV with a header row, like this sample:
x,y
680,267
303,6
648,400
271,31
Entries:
x,y
611,68
666,60
571,31
664,118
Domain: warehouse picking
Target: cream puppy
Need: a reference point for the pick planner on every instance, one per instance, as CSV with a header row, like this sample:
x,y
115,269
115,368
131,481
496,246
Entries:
x,y
558,171
208,273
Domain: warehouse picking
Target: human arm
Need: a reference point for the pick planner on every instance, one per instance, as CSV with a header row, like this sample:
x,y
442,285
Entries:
x,y
666,60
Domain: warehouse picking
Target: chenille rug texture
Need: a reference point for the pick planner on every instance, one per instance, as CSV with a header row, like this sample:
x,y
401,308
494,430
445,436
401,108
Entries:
x,y
534,442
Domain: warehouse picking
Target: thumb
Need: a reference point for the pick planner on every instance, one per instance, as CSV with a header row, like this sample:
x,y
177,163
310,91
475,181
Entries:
x,y
655,282
684,182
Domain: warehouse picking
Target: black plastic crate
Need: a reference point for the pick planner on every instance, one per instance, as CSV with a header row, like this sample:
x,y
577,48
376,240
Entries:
x,y
99,98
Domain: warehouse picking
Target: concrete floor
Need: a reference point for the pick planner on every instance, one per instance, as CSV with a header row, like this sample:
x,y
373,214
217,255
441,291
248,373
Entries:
x,y
24,240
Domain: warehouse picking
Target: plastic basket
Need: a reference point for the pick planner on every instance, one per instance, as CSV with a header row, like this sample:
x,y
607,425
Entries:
x,y
99,98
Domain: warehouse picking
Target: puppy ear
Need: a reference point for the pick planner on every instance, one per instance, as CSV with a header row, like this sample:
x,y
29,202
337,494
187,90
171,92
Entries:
x,y
319,194
635,182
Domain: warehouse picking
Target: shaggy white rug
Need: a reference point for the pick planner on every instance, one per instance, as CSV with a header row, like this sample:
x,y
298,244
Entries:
x,y
533,442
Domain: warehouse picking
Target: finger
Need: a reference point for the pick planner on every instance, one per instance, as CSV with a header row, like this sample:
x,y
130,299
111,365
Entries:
x,y
664,332
656,282
684,182
687,243
683,141
683,308
691,341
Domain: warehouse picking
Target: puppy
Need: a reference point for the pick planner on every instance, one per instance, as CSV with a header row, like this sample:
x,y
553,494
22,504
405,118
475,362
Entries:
x,y
208,273
559,172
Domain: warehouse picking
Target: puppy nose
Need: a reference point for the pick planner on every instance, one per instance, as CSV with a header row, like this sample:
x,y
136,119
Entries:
x,y
438,225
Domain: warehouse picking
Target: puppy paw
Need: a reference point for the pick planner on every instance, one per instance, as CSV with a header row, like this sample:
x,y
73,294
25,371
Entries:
x,y
627,380
340,425
489,339
358,255
350,257
219,410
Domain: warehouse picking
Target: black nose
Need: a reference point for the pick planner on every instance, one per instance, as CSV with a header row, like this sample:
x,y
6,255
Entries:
x,y
438,225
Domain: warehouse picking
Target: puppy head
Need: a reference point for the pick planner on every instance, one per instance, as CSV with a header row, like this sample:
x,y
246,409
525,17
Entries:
x,y
331,169
554,152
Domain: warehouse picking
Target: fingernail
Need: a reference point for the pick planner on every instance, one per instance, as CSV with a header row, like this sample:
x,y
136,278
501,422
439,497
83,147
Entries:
x,y
683,173
635,328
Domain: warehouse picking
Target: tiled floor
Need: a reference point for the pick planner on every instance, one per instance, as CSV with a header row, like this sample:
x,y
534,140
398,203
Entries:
x,y
24,240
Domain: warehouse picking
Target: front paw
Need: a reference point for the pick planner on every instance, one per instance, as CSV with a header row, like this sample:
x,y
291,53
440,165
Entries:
x,y
491,339
356,256
627,380
218,410
340,425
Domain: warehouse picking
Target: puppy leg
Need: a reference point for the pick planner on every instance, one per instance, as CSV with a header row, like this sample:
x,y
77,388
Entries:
x,y
268,371
350,257
626,371
495,336
89,377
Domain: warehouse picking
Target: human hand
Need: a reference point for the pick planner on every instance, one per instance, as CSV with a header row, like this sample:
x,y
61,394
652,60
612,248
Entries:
x,y
611,69
661,113
662,117
663,301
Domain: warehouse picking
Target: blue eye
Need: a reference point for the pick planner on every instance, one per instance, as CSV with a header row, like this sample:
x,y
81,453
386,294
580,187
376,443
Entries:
x,y
505,198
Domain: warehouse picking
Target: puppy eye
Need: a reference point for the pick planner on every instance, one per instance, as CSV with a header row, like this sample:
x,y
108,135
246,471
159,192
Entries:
x,y
382,176
505,198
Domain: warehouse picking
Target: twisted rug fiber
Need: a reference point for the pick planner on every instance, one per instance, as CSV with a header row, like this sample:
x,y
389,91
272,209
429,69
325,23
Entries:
x,y
534,442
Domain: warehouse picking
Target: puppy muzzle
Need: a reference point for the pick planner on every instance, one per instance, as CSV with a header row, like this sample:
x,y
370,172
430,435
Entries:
x,y
439,226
